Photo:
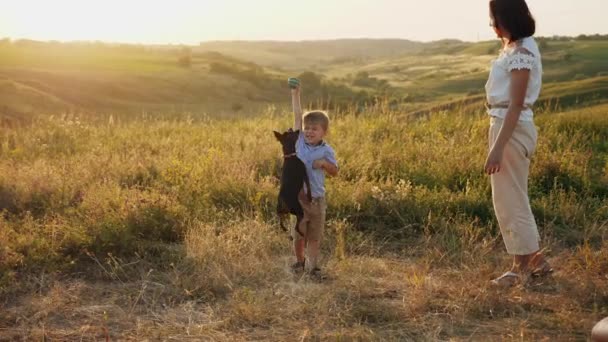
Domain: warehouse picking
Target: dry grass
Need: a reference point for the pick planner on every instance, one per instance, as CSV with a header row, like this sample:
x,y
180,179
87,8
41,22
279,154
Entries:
x,y
239,288
165,231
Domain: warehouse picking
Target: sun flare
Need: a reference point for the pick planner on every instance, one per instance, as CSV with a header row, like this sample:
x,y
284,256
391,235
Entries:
x,y
124,21
189,21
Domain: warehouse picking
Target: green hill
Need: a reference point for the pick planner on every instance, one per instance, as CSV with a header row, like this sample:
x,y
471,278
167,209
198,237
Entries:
x,y
421,75
96,78
241,78
311,54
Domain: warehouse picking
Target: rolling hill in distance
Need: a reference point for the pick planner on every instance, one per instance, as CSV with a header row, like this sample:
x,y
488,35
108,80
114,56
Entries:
x,y
233,78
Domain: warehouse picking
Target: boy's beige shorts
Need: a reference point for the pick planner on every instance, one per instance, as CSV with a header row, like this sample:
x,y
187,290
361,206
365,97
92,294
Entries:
x,y
313,224
510,189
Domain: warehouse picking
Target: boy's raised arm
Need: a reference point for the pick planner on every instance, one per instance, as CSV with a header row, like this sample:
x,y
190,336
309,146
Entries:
x,y
297,108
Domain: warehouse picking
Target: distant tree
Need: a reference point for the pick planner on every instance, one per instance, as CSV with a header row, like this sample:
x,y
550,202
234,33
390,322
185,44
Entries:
x,y
382,84
185,58
596,36
184,61
362,74
310,80
237,107
579,77
362,79
222,68
28,43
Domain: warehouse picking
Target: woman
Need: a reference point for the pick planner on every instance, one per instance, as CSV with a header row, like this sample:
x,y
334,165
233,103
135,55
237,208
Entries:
x,y
512,88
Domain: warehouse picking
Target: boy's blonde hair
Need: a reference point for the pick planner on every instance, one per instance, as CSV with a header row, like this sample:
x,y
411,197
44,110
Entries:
x,y
317,117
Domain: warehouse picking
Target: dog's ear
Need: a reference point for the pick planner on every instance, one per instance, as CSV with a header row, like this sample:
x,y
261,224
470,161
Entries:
x,y
277,135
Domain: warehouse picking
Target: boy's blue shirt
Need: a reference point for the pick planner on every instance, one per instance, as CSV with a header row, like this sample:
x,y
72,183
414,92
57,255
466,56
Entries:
x,y
308,154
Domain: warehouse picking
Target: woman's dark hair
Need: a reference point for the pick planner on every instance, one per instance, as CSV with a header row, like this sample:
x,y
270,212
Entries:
x,y
513,16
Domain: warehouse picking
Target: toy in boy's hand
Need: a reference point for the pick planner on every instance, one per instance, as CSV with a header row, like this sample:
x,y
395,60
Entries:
x,y
293,82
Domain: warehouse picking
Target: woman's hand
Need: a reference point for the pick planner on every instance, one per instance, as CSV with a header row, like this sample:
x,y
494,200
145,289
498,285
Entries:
x,y
493,161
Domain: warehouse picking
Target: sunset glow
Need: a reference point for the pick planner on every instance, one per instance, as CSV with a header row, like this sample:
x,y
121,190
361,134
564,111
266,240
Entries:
x,y
183,21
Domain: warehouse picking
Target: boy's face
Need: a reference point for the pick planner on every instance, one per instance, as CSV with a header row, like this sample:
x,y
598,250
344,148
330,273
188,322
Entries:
x,y
313,133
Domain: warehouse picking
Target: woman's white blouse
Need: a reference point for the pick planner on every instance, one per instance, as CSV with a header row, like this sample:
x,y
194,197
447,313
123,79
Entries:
x,y
522,54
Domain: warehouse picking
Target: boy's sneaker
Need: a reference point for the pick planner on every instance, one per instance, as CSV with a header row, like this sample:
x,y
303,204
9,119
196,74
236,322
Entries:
x,y
317,274
298,267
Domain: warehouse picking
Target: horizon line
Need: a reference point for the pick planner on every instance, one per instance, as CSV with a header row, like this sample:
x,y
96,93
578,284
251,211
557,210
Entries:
x,y
97,41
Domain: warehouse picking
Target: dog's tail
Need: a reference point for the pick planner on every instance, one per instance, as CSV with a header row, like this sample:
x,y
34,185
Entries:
x,y
281,219
297,227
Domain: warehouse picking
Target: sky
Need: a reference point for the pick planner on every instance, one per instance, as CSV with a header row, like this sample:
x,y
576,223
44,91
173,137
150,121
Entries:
x,y
190,22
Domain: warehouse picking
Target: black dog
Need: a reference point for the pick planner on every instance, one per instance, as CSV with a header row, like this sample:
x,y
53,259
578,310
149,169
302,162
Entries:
x,y
293,179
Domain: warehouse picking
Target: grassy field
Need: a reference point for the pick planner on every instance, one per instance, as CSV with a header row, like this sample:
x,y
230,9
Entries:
x,y
138,187
164,230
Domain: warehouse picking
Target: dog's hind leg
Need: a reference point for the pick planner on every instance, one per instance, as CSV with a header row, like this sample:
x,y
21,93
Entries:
x,y
282,218
282,212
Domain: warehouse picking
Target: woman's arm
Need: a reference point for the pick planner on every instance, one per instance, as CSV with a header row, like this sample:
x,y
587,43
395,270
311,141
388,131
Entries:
x,y
519,85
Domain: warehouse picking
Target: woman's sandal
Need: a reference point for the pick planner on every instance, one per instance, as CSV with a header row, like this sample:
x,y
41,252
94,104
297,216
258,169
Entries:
x,y
508,279
542,270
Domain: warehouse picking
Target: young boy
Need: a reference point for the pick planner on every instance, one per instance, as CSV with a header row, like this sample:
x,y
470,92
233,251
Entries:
x,y
319,159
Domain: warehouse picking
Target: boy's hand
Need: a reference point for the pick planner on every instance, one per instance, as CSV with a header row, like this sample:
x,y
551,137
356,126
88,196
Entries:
x,y
326,166
295,91
294,85
319,163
